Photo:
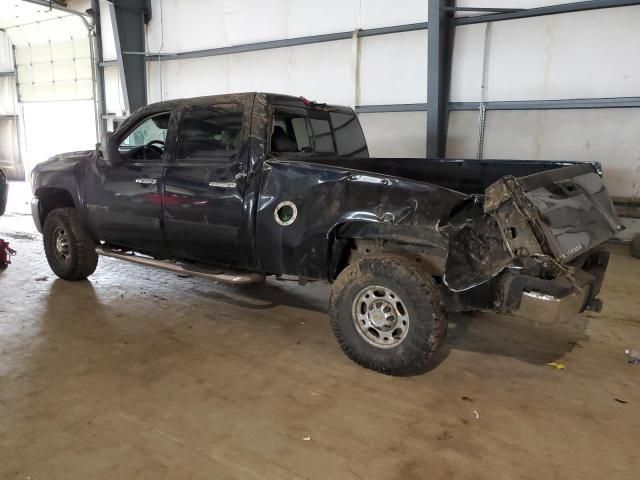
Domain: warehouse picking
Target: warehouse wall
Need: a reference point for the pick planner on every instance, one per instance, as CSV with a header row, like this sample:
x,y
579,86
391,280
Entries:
x,y
577,55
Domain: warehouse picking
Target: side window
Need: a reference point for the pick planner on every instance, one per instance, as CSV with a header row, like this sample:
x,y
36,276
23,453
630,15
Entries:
x,y
322,136
153,128
298,130
210,132
290,133
350,140
301,133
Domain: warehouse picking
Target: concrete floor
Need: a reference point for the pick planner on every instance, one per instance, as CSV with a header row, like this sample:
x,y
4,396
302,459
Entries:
x,y
139,374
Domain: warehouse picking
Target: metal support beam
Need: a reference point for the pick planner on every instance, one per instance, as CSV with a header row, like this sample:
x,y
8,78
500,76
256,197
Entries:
x,y
564,104
398,107
482,9
268,45
549,10
127,19
439,50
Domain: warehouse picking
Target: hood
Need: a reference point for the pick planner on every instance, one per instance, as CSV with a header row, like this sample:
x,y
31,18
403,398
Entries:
x,y
68,158
62,161
44,172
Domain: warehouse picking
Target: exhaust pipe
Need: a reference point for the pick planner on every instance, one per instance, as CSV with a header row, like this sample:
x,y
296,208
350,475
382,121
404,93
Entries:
x,y
222,276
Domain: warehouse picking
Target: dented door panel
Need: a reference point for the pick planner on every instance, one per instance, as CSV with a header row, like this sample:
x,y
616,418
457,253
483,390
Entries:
x,y
328,197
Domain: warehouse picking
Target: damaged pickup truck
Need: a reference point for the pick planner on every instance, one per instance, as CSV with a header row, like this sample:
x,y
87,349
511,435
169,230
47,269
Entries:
x,y
239,187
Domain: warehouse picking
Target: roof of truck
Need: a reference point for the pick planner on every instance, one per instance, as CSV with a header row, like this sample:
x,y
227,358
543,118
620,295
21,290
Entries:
x,y
277,98
239,97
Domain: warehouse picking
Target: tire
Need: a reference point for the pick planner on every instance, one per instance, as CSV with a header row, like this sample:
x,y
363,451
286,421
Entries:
x,y
75,257
400,292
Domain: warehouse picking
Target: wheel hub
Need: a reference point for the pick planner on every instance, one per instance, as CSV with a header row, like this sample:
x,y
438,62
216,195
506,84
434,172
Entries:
x,y
61,243
380,314
380,317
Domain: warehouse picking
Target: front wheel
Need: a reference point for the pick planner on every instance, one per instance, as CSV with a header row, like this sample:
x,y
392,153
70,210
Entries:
x,y
386,314
70,251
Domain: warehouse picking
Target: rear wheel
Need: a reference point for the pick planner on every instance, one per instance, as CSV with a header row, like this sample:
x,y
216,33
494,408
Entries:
x,y
387,316
70,251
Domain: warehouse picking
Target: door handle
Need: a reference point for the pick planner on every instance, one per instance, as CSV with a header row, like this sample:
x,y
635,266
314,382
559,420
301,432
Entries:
x,y
222,184
146,181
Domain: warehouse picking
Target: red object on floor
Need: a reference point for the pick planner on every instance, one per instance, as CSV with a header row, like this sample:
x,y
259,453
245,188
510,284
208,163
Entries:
x,y
5,254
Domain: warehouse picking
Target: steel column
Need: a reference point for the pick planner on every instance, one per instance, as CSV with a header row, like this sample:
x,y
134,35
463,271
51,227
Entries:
x,y
128,19
99,72
439,50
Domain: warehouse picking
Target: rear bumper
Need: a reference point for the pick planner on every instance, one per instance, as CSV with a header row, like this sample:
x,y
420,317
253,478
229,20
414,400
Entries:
x,y
35,213
562,298
545,308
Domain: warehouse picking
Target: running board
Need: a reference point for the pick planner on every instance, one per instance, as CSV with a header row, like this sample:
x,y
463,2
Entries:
x,y
222,276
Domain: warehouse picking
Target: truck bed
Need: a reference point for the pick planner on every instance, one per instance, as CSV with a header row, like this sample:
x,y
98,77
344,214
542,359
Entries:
x,y
466,176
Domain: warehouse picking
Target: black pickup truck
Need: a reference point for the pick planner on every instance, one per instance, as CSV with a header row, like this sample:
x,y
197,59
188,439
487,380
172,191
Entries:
x,y
238,187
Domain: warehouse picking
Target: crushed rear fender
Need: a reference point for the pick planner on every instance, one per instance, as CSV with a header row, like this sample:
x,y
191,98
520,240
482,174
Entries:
x,y
535,247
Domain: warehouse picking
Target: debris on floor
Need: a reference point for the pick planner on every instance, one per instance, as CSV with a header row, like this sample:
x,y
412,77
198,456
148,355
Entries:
x,y
475,412
619,400
557,365
5,254
634,357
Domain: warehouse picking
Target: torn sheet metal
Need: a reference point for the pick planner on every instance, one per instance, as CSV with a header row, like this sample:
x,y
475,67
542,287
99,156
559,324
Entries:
x,y
336,200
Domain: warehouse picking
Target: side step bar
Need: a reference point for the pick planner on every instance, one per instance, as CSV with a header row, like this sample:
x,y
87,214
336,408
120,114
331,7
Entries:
x,y
222,276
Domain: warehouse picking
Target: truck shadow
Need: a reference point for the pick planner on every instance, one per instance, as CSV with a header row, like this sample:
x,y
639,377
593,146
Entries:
x,y
478,332
313,297
515,337
486,333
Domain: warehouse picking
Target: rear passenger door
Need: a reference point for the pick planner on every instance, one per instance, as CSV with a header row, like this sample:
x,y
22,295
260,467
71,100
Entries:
x,y
204,184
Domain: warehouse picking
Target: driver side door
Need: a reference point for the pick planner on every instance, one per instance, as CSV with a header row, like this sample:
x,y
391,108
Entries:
x,y
124,199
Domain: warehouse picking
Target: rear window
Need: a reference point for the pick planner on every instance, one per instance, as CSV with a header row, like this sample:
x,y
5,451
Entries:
x,y
322,136
350,140
304,131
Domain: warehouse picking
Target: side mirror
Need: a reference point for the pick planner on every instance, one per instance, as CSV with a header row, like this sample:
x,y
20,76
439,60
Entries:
x,y
109,150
